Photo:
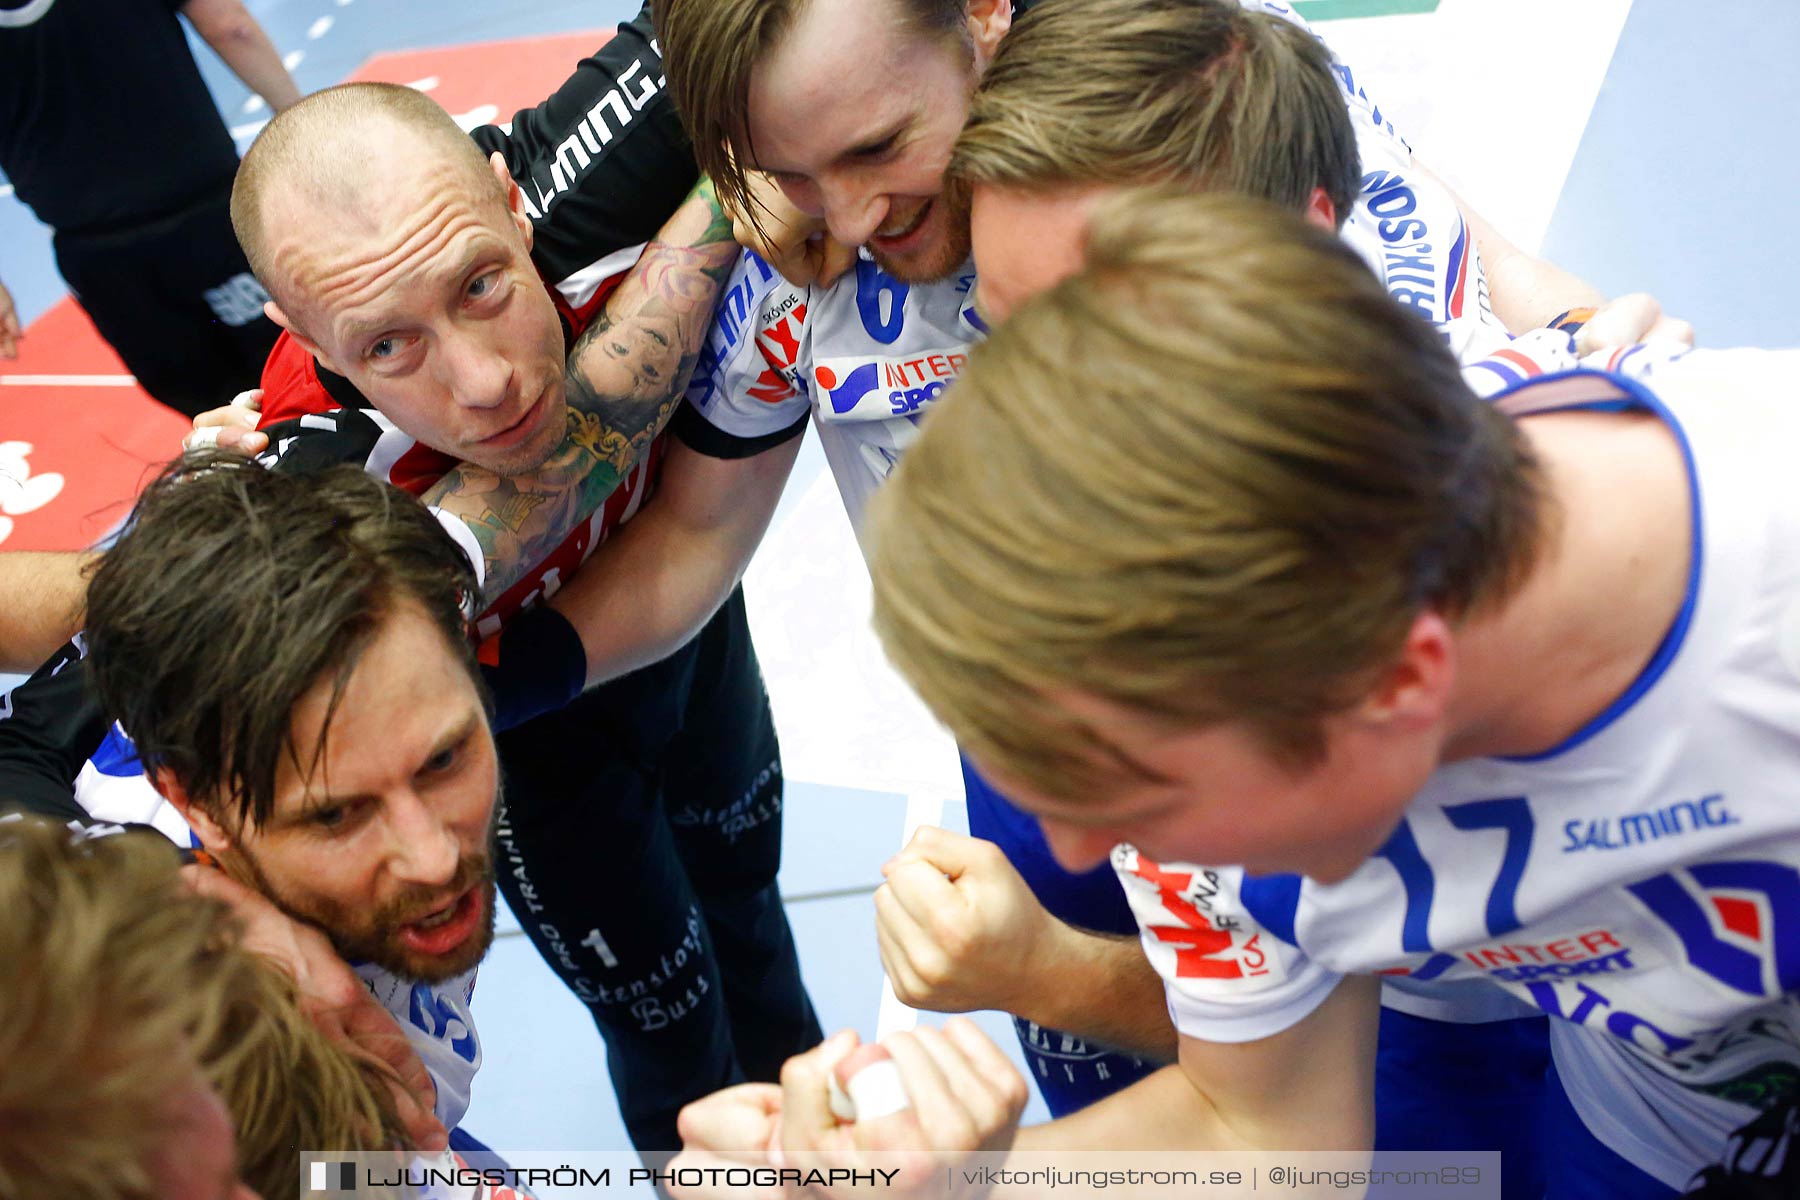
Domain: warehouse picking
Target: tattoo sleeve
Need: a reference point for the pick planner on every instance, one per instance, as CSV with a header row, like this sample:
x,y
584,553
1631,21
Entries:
x,y
625,376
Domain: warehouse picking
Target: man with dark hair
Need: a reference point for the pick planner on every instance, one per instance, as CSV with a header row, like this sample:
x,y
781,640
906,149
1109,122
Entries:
x,y
258,627
343,770
288,755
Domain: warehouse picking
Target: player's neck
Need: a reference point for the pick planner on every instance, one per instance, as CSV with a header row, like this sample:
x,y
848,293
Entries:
x,y
1608,584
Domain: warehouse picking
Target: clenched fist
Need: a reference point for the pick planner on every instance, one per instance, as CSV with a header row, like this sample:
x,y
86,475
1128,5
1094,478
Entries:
x,y
958,928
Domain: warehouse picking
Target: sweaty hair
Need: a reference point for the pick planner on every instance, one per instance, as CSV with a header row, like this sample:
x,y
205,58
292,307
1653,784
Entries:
x,y
123,989
327,152
1214,477
711,48
234,590
1199,93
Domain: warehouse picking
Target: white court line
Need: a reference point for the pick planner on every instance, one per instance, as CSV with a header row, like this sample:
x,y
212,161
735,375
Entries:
x,y
894,1016
68,380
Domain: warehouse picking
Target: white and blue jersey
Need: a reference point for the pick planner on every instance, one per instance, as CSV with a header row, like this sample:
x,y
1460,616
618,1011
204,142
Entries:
x,y
1407,226
1641,881
436,1018
870,355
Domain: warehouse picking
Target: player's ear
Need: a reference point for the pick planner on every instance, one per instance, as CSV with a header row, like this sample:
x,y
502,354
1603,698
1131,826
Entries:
x,y
515,196
274,312
279,315
1321,211
212,835
1413,691
989,21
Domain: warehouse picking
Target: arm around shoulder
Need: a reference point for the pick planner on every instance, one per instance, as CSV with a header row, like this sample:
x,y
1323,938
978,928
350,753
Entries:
x,y
1527,291
657,581
625,377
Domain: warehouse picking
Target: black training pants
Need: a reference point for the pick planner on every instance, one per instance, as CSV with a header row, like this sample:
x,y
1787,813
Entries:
x,y
638,846
176,299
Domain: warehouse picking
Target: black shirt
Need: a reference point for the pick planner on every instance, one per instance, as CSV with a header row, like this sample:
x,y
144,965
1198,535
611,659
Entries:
x,y
604,160
105,123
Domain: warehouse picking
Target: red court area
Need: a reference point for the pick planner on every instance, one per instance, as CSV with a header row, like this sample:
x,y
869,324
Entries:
x,y
78,438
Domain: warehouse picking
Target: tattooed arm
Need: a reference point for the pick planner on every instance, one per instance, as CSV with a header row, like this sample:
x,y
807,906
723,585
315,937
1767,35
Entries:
x,y
625,376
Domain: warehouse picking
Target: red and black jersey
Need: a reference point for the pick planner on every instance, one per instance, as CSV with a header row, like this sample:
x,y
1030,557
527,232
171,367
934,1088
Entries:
x,y
602,164
316,419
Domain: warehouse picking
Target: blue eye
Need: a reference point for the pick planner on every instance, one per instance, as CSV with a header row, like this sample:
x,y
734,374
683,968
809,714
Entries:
x,y
484,286
389,348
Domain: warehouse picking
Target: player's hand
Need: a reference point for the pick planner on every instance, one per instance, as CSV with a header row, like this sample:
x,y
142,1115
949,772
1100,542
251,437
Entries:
x,y
737,1127
333,998
232,427
792,242
957,927
1628,320
10,331
957,1095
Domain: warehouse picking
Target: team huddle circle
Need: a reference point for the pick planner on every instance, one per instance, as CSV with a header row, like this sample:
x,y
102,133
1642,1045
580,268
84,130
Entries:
x,y
1331,669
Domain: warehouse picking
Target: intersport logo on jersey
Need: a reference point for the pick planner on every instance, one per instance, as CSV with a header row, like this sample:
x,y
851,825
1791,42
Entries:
x,y
1595,952
880,389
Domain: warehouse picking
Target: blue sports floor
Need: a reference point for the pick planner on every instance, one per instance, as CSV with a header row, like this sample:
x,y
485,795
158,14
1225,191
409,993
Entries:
x,y
1673,169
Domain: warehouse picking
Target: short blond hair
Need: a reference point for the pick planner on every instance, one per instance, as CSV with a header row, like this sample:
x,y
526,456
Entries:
x,y
1214,477
1200,93
122,987
319,149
